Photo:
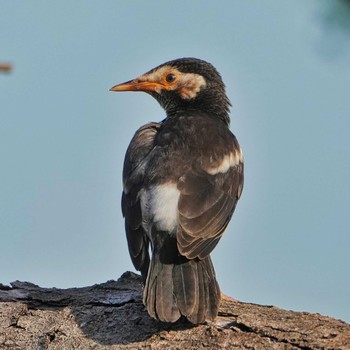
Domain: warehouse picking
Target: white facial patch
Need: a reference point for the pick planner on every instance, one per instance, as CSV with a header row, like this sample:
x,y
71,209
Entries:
x,y
187,84
229,161
158,75
190,84
160,205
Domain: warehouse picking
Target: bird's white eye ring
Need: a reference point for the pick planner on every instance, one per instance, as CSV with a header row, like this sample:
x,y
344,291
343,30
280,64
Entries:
x,y
170,78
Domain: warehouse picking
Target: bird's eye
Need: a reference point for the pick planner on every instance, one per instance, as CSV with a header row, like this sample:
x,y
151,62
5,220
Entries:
x,y
170,78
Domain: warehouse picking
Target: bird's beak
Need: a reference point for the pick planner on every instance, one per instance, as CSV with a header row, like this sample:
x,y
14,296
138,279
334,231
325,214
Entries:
x,y
136,85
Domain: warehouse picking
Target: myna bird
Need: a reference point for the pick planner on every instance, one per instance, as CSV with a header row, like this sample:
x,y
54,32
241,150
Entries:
x,y
182,178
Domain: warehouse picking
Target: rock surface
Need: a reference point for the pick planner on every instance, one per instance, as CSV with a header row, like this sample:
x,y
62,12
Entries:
x,y
111,316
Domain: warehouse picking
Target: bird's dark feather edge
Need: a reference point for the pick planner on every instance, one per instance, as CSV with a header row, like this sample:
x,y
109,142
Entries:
x,y
133,171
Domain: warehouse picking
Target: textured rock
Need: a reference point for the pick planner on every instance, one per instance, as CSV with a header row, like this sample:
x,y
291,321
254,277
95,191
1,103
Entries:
x,y
111,316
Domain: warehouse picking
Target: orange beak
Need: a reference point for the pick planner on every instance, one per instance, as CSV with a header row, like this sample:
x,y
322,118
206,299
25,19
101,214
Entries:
x,y
136,85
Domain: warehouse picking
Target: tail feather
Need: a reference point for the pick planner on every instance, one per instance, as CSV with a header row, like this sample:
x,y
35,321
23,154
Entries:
x,y
185,280
159,293
165,308
199,312
189,289
214,293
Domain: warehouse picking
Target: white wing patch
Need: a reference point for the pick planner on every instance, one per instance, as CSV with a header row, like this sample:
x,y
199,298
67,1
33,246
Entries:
x,y
229,161
159,205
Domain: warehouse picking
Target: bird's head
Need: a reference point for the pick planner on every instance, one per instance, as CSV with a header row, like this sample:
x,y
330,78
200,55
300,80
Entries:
x,y
184,85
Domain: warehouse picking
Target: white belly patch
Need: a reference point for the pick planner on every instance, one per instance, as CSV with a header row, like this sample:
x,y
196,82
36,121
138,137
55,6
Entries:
x,y
159,206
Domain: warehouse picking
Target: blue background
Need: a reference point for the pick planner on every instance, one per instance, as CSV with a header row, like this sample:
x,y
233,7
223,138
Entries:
x,y
63,137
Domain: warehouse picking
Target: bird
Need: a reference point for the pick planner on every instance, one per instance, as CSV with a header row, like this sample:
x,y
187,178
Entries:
x,y
182,178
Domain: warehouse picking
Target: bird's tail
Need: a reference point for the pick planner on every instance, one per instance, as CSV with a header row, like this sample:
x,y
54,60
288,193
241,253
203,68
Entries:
x,y
187,287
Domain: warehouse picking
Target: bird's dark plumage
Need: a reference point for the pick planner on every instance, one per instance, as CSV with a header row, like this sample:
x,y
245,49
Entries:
x,y
182,179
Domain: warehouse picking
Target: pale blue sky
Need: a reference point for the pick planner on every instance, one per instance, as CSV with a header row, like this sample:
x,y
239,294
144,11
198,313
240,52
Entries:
x,y
63,136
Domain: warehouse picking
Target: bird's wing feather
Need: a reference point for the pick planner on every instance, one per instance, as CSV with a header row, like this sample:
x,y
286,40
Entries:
x,y
207,201
133,177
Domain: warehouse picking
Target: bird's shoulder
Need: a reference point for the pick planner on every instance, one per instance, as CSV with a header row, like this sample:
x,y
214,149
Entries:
x,y
140,146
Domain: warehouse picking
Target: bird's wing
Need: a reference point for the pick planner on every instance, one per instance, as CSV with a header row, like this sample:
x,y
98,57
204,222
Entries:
x,y
209,194
133,177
